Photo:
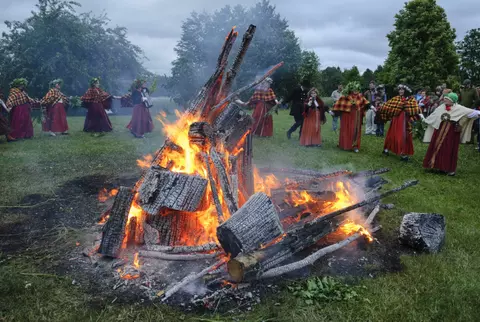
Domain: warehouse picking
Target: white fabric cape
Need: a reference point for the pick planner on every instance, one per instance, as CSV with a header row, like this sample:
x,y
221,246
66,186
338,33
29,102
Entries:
x,y
458,113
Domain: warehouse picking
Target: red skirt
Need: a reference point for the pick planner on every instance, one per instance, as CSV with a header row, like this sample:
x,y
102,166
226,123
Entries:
x,y
97,119
21,122
399,140
56,120
4,127
442,153
141,121
350,130
262,123
311,130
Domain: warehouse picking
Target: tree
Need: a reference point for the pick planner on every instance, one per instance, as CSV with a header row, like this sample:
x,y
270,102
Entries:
x,y
310,68
368,76
56,42
469,52
422,48
203,35
331,77
352,75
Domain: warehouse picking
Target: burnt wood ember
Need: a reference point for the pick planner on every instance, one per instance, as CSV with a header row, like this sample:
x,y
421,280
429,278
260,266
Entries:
x,y
224,181
213,187
151,235
423,232
162,188
114,229
233,160
184,249
254,224
201,134
172,226
176,257
232,124
247,166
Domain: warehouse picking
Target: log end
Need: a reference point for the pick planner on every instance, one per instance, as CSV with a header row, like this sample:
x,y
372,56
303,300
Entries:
x,y
423,232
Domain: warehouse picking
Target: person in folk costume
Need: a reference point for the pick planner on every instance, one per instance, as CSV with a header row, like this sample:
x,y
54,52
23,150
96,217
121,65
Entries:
x,y
4,126
55,117
297,98
20,105
141,121
351,106
314,118
96,101
263,100
370,94
448,126
402,111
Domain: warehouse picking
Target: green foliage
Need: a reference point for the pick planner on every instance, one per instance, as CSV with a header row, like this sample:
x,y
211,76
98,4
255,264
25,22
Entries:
x,y
422,46
419,130
324,289
57,42
469,52
75,102
368,76
310,69
352,75
202,38
331,77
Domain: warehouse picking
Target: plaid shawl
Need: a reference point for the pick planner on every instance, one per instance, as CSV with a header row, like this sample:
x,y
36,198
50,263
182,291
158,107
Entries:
x,y
95,95
346,103
53,96
126,100
18,97
396,105
263,95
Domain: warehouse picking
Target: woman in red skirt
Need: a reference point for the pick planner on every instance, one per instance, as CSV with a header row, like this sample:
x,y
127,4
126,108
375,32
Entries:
x,y
351,106
97,101
314,117
448,126
55,118
141,121
19,105
402,111
263,100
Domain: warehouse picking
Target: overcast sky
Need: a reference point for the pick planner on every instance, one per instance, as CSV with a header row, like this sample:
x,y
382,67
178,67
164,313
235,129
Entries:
x,y
342,33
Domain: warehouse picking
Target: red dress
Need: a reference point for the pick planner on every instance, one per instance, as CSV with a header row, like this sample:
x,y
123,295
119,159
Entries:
x,y
96,101
21,126
442,153
56,117
399,138
311,134
263,101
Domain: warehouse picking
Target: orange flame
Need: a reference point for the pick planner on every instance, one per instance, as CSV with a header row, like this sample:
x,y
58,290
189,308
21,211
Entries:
x,y
127,276
146,162
350,228
265,185
136,261
104,194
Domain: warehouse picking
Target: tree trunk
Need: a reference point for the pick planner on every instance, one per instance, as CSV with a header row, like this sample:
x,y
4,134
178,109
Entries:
x,y
165,189
254,224
114,229
423,232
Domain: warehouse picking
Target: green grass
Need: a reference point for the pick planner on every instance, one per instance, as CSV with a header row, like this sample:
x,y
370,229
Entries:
x,y
443,287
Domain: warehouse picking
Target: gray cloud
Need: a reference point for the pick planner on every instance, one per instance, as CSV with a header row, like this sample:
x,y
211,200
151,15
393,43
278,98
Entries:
x,y
343,33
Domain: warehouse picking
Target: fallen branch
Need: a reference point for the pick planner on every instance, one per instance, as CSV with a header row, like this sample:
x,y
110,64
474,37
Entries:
x,y
304,172
192,277
175,257
183,249
372,215
309,260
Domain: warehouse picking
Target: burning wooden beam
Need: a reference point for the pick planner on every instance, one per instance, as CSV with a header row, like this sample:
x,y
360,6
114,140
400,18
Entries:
x,y
184,249
254,224
213,187
224,181
232,124
114,229
162,188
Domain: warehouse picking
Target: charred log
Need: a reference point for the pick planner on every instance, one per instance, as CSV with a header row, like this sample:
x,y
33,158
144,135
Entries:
x,y
423,232
224,182
213,187
254,224
165,189
201,134
234,177
184,249
232,124
151,235
114,229
176,257
174,226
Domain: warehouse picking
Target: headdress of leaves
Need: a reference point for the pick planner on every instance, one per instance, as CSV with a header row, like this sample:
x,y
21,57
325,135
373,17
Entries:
x,y
19,82
56,81
94,80
352,87
138,83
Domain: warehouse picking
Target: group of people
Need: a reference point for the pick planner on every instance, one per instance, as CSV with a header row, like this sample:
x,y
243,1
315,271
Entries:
x,y
448,122
53,110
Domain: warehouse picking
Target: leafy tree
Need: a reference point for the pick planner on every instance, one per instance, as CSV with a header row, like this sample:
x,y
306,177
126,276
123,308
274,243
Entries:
x,y
367,76
352,75
422,46
310,68
203,35
56,42
469,52
331,77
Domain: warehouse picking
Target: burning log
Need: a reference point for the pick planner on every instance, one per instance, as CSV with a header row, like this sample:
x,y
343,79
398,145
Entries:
x,y
165,189
224,183
251,226
151,235
173,225
424,232
232,124
176,257
201,134
248,265
247,166
213,187
114,229
234,178
184,249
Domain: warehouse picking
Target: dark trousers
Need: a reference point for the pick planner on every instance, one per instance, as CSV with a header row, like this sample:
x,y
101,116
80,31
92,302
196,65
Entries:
x,y
380,129
298,124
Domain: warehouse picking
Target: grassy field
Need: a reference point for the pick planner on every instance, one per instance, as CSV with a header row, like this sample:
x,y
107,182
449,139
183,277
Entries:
x,y
443,287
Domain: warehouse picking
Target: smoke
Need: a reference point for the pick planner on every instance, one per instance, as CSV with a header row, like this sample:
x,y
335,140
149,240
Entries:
x,y
196,288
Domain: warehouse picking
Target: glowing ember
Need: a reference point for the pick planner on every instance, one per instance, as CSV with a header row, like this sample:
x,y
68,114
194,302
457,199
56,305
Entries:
x,y
127,276
104,194
300,198
137,213
136,261
104,218
350,228
273,242
146,162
